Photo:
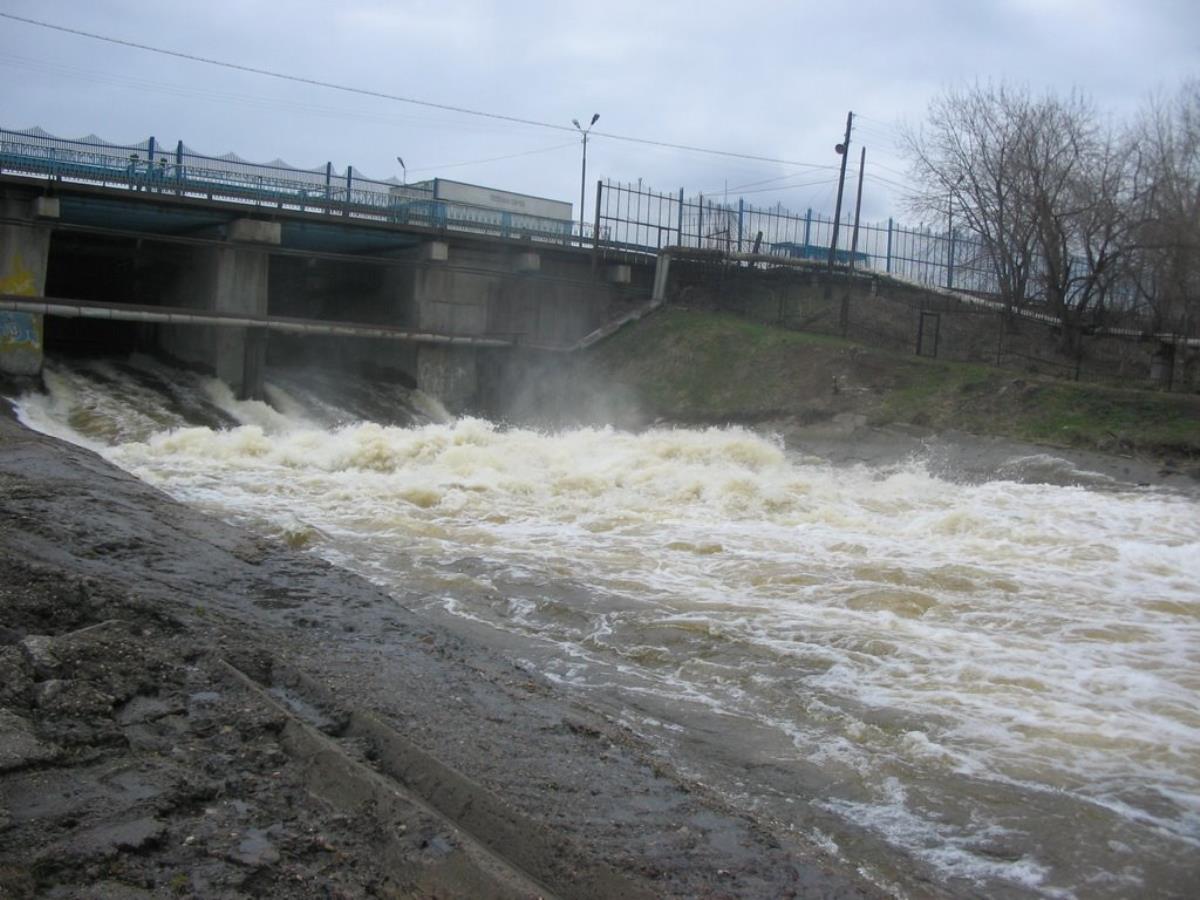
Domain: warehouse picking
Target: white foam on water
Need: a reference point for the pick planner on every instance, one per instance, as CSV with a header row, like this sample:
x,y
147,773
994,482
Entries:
x,y
884,621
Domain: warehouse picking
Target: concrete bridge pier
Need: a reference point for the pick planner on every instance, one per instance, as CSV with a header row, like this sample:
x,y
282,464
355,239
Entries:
x,y
24,252
449,373
448,301
231,278
1162,364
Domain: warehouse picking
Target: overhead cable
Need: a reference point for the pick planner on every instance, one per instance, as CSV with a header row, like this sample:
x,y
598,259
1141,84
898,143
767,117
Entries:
x,y
368,92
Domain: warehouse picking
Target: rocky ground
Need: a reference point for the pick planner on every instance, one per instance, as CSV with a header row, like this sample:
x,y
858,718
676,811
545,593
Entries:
x,y
187,710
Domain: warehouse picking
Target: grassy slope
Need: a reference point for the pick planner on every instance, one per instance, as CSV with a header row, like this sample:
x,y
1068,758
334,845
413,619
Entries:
x,y
703,367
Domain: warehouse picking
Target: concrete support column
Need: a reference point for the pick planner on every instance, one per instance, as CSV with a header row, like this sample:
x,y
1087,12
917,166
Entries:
x,y
619,273
527,262
449,373
230,278
24,252
445,300
1162,365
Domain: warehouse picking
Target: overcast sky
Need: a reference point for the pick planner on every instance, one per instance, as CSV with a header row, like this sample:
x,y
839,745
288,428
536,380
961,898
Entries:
x,y
767,79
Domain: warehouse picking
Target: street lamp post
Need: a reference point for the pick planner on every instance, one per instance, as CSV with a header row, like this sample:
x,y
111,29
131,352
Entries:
x,y
403,170
583,174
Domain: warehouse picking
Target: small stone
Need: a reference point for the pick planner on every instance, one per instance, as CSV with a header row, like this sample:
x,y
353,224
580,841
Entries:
x,y
38,650
108,840
16,678
19,746
70,697
46,691
255,850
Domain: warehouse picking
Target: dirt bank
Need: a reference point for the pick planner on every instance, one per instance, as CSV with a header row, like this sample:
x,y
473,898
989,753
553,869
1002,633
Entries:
x,y
692,366
962,457
188,710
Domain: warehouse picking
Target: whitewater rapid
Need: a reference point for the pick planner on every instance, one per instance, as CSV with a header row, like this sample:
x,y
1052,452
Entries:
x,y
1000,679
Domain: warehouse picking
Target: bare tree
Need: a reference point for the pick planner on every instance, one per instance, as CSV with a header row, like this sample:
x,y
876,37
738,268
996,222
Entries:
x,y
967,160
1165,213
1045,188
1078,183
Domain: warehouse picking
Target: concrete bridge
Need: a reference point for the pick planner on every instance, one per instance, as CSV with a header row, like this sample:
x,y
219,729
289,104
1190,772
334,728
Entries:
x,y
226,282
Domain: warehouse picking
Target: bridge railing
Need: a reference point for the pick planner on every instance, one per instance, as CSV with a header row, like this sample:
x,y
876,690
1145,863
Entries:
x,y
151,166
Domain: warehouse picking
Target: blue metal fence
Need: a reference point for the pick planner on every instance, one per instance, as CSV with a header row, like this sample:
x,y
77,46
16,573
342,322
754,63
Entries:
x,y
638,219
152,166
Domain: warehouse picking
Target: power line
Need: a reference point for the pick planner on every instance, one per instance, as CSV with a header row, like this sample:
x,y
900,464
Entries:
x,y
225,97
479,162
178,54
368,92
880,123
787,187
900,172
888,181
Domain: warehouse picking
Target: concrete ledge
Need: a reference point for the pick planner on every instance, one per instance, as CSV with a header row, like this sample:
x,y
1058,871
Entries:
x,y
46,207
254,231
527,262
435,251
619,273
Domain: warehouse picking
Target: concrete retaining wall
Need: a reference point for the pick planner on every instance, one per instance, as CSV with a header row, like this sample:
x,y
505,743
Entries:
x,y
889,315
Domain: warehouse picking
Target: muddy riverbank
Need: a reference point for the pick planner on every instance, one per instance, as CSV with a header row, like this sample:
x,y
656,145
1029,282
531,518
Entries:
x,y
188,709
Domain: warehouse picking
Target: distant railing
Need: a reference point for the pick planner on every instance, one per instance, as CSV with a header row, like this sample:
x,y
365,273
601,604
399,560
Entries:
x,y
153,167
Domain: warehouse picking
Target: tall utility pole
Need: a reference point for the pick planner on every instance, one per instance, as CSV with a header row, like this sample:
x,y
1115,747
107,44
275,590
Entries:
x,y
583,174
862,165
844,149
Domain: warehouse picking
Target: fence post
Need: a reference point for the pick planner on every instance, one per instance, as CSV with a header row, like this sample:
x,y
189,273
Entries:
x,y
741,211
179,167
596,227
700,223
950,261
807,230
888,265
680,217
349,186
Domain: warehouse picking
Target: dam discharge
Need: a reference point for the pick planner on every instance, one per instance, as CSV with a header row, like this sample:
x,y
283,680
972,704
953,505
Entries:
x,y
999,680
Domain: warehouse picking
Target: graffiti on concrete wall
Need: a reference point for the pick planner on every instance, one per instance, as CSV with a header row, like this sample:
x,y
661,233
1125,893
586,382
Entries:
x,y
19,331
19,328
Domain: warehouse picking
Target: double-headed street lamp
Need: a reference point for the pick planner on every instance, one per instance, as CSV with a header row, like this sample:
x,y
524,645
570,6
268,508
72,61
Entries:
x,y
583,174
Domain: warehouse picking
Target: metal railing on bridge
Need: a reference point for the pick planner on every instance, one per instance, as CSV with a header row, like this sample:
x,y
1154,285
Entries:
x,y
154,167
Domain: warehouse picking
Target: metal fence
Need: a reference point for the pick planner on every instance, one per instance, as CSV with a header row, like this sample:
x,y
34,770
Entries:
x,y
155,167
638,219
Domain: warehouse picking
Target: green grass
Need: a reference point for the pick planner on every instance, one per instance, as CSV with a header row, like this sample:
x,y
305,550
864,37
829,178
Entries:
x,y
690,366
1079,414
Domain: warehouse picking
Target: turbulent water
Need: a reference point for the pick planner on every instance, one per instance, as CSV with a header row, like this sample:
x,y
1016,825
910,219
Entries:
x,y
996,685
